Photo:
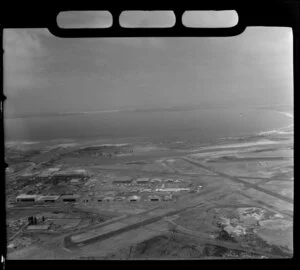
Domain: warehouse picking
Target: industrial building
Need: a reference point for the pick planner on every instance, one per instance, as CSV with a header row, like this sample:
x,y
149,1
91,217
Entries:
x,y
155,180
69,198
109,193
85,200
145,190
38,227
108,199
168,197
53,169
68,175
48,198
171,185
75,180
123,180
134,198
99,199
81,171
154,198
172,189
45,174
119,198
142,180
27,175
27,198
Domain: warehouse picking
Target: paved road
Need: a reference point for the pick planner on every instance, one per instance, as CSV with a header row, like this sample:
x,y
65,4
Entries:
x,y
146,218
69,244
238,180
18,232
167,174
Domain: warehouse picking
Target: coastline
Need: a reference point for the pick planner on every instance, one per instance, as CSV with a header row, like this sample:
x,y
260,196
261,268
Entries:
x,y
225,140
282,129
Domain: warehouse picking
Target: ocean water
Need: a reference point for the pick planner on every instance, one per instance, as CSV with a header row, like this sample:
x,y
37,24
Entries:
x,y
197,124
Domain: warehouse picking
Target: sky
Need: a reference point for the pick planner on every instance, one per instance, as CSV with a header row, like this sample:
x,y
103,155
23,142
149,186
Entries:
x,y
44,73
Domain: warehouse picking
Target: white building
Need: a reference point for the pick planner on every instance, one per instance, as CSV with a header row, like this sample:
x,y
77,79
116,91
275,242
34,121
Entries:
x,y
53,169
38,227
70,198
123,180
134,198
155,180
143,180
154,198
27,198
168,197
172,189
48,198
80,171
75,181
108,199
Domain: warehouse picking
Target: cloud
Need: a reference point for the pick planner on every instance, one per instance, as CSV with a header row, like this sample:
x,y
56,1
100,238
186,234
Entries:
x,y
67,74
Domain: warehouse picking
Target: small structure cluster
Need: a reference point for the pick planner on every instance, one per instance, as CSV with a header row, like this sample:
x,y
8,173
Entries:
x,y
122,189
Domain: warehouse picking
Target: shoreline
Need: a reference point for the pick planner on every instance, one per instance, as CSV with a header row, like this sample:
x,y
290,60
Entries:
x,y
290,115
281,130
